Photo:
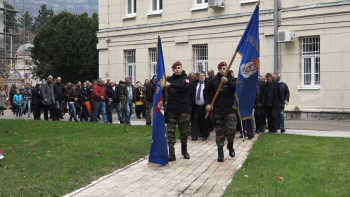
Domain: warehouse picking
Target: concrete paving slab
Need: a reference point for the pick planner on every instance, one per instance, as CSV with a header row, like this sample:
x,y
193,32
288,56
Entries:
x,y
199,176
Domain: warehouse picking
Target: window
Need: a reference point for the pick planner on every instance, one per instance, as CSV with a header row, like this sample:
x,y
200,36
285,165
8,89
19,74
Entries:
x,y
130,7
157,6
310,61
200,58
201,3
130,65
153,61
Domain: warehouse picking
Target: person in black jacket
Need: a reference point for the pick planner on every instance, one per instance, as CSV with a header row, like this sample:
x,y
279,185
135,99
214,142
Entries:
x,y
84,100
177,109
224,114
73,96
120,110
60,93
37,101
150,87
12,93
200,126
140,100
112,92
127,98
65,101
271,99
285,98
260,118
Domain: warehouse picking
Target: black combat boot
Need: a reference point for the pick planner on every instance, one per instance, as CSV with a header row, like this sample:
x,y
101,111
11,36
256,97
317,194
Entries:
x,y
184,150
230,149
172,154
220,154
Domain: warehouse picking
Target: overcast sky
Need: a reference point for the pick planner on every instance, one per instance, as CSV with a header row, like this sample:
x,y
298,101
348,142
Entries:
x,y
73,6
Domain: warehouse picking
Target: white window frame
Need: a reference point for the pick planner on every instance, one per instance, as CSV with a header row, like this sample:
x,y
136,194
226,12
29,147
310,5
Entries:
x,y
158,10
312,52
200,57
132,14
202,5
247,1
153,61
130,65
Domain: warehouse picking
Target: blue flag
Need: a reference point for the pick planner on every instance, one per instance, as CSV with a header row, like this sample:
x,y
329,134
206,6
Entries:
x,y
159,150
249,68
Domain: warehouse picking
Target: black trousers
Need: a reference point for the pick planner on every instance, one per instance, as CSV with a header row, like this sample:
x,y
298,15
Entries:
x,y
2,110
260,119
272,118
200,126
109,110
37,111
148,113
84,114
139,109
50,108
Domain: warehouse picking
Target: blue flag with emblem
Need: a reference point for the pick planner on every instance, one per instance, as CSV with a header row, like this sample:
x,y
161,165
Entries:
x,y
246,85
159,150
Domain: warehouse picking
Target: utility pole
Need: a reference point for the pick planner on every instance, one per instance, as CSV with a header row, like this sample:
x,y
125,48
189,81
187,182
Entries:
x,y
275,19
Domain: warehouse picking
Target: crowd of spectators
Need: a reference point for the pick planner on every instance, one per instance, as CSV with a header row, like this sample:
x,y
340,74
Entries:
x,y
84,101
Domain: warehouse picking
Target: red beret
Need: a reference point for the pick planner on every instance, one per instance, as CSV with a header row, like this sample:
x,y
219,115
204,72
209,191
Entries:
x,y
176,64
221,64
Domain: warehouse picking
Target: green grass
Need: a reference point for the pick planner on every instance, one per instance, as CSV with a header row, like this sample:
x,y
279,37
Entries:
x,y
289,165
54,158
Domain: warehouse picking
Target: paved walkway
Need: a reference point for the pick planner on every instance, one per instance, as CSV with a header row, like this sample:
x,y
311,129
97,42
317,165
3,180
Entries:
x,y
201,175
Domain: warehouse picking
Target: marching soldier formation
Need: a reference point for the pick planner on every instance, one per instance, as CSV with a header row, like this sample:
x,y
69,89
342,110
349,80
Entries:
x,y
189,99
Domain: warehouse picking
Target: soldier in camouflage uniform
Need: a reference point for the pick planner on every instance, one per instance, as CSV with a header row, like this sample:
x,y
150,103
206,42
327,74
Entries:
x,y
177,109
224,115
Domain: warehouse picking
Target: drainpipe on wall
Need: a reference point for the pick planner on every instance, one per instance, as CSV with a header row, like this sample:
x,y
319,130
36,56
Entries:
x,y
275,19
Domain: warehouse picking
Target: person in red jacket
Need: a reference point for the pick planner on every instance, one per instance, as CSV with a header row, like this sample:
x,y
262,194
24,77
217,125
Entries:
x,y
98,100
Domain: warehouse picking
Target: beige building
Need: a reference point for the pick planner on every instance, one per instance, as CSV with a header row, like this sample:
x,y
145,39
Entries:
x,y
312,53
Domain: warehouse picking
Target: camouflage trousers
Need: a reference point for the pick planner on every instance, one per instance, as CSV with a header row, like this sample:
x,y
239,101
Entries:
x,y
182,120
225,128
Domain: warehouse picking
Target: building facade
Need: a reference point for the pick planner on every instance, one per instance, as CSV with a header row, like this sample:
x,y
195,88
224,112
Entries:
x,y
312,61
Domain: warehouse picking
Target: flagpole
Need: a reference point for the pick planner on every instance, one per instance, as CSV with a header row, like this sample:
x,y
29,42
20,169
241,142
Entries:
x,y
166,89
227,70
221,83
243,131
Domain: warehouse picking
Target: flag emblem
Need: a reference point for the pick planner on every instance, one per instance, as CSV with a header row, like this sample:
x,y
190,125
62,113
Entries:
x,y
159,106
250,68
